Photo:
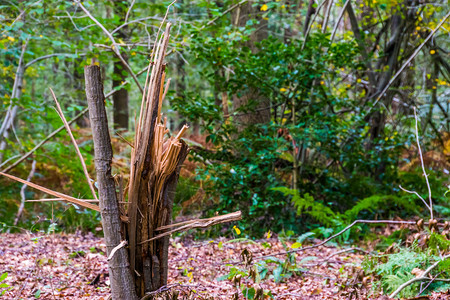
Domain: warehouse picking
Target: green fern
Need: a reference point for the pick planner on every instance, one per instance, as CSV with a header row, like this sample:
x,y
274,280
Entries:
x,y
306,204
396,269
390,283
380,201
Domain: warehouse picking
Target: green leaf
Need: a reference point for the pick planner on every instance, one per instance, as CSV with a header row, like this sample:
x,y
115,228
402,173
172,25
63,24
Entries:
x,y
277,274
3,276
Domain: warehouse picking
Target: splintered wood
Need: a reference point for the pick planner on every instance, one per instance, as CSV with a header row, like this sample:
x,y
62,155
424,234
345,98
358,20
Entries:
x,y
155,164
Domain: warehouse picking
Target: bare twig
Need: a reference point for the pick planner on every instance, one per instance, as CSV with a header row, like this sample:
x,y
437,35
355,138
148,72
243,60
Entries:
x,y
312,22
134,21
338,234
58,199
114,46
76,201
417,194
430,206
83,164
225,12
41,143
51,135
341,14
409,60
325,260
199,223
50,56
421,278
22,192
129,10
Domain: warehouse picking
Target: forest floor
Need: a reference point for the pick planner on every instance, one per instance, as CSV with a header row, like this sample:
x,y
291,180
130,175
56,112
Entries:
x,y
73,266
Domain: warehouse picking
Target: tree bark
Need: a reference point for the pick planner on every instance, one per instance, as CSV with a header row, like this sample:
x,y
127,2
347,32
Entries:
x,y
120,99
260,112
12,110
122,285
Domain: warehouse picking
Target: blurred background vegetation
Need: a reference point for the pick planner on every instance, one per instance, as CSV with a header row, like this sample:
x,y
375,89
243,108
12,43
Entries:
x,y
294,117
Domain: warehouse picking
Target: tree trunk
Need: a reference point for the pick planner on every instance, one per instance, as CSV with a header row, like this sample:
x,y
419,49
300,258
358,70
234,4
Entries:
x,y
16,93
120,98
122,285
260,112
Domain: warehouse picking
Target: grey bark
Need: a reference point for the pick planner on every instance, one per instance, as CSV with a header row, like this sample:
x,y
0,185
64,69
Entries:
x,y
260,112
12,110
122,284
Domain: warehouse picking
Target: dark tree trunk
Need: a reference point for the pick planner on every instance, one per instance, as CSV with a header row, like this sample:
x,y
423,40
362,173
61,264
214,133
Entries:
x,y
260,112
79,94
120,98
122,285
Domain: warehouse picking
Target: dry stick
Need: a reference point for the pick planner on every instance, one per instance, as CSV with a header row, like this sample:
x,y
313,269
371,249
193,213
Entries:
x,y
338,234
224,13
417,194
312,22
408,61
54,193
51,135
325,260
114,44
421,278
59,199
22,193
236,216
341,14
83,164
430,207
327,16
52,55
435,278
41,143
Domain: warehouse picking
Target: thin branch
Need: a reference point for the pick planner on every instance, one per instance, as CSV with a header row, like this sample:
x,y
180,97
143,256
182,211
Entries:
x,y
341,14
430,207
83,164
199,223
131,22
58,199
129,10
421,278
114,45
225,12
76,201
51,135
50,56
312,22
408,61
338,234
22,193
417,194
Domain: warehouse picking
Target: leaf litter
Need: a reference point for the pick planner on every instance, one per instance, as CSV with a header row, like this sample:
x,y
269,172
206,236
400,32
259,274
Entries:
x,y
74,266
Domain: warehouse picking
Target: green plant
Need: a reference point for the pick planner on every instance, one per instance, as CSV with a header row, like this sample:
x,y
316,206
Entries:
x,y
392,270
4,287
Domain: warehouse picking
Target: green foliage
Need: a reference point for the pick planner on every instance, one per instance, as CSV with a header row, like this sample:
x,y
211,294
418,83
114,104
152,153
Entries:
x,y
306,204
4,287
393,270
